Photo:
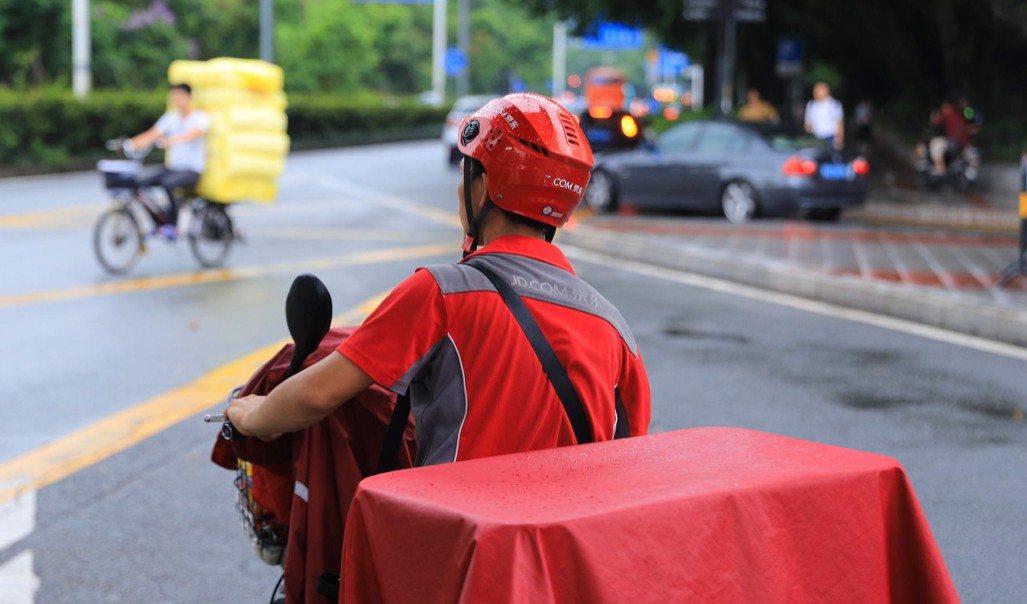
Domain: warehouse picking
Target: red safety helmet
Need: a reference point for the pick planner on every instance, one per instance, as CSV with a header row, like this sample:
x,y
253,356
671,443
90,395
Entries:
x,y
535,154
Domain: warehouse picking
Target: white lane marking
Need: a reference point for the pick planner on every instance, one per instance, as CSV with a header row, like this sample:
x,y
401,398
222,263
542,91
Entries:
x,y
935,266
18,583
396,202
820,308
17,519
861,259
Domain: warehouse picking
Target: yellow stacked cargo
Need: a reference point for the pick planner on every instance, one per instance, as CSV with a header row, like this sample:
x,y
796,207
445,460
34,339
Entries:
x,y
247,143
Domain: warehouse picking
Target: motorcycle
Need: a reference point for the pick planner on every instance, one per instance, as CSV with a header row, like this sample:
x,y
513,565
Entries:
x,y
962,168
293,493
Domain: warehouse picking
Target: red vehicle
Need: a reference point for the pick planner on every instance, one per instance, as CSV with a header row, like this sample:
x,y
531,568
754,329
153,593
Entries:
x,y
606,124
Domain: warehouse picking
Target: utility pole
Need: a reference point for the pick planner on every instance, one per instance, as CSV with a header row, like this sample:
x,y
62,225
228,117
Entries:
x,y
438,51
267,31
81,49
726,73
559,58
730,12
463,42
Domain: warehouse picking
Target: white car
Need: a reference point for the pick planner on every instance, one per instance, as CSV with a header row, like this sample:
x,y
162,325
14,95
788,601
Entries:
x,y
463,107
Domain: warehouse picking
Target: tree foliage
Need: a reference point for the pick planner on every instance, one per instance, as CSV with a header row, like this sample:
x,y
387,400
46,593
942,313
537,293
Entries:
x,y
323,45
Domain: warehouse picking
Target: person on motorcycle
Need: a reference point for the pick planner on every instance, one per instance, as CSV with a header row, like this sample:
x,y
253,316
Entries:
x,y
182,132
953,136
476,385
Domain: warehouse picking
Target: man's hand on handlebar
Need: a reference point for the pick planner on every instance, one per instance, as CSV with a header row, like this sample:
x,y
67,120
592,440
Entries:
x,y
239,411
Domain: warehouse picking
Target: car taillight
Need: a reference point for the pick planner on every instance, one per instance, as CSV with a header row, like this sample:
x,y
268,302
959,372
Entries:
x,y
796,166
629,126
450,122
861,167
600,112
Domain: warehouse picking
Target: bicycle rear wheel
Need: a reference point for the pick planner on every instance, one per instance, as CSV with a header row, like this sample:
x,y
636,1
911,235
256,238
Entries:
x,y
117,240
211,235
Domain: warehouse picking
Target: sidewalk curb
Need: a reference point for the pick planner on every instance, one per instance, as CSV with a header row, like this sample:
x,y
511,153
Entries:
x,y
969,219
1007,325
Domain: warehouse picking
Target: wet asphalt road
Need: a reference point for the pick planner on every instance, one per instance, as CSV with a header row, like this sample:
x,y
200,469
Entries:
x,y
156,522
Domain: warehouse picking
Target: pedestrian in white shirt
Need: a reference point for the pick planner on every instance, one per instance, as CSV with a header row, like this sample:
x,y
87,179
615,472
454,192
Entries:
x,y
825,118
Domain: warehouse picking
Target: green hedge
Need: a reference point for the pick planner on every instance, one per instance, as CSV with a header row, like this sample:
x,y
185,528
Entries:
x,y
325,120
50,129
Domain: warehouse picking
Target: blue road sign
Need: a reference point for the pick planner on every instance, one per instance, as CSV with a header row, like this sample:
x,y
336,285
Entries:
x,y
789,57
613,36
672,62
455,61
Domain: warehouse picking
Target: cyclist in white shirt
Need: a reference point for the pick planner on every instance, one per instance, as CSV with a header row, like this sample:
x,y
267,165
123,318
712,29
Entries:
x,y
182,132
825,118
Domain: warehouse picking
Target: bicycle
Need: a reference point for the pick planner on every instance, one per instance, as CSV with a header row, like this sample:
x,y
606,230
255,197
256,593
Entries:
x,y
119,239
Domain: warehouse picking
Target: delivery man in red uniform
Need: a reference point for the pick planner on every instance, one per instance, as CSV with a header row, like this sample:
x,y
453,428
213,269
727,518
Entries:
x,y
482,378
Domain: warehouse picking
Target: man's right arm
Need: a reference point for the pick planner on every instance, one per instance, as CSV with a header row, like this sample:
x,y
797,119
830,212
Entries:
x,y
399,333
149,137
302,400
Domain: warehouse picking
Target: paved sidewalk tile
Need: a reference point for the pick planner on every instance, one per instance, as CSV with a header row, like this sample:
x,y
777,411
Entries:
x,y
961,265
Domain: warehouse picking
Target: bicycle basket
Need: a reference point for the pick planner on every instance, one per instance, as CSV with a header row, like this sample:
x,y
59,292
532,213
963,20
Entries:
x,y
119,173
268,537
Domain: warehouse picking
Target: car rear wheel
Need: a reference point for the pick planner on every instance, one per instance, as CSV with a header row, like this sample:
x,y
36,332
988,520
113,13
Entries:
x,y
601,194
738,200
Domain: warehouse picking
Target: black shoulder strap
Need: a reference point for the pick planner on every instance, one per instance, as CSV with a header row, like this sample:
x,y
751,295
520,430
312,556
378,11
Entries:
x,y
394,434
558,377
622,429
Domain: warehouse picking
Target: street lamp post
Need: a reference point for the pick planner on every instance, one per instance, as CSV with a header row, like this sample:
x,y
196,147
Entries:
x,y
81,51
559,58
267,29
438,51
463,42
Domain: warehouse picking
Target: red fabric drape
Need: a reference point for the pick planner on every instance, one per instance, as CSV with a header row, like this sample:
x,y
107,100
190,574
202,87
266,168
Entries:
x,y
700,515
328,459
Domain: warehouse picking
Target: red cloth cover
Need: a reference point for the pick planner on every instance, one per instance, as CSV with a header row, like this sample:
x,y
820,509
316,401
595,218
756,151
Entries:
x,y
700,515
328,459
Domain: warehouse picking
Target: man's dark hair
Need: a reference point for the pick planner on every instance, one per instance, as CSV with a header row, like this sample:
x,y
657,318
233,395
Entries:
x,y
478,169
186,88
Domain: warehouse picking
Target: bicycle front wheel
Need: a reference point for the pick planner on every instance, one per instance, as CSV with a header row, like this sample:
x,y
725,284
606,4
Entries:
x,y
117,240
211,235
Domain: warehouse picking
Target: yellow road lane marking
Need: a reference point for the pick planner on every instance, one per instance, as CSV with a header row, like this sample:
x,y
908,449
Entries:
x,y
230,274
92,444
84,216
56,215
